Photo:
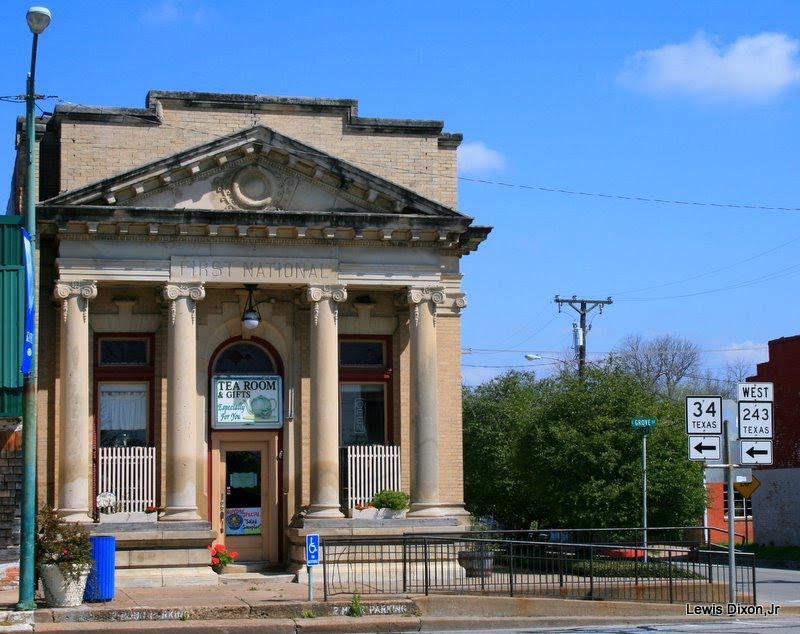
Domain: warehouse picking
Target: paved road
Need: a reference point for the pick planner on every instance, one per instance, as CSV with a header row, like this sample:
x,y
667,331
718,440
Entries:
x,y
778,626
775,586
778,586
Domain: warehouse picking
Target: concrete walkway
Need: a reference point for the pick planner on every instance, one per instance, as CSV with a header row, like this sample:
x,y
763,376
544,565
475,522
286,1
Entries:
x,y
260,603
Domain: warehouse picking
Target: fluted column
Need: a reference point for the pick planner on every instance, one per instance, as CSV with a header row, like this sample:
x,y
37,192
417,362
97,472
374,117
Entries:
x,y
74,449
325,400
182,420
424,401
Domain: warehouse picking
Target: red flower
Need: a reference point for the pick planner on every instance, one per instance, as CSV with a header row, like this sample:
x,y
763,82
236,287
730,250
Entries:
x,y
215,560
233,554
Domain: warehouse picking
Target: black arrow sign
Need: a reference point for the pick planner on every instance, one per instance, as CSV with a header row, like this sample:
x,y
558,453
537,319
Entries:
x,y
700,447
753,452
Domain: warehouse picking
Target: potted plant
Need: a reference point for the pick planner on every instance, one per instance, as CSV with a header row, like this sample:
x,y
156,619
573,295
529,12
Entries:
x,y
63,553
477,559
390,503
221,557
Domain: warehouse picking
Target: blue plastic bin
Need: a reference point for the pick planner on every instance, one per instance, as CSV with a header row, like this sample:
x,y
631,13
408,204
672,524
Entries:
x,y
100,586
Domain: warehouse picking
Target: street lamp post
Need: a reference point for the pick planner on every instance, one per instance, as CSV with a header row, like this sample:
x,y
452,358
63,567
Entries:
x,y
38,19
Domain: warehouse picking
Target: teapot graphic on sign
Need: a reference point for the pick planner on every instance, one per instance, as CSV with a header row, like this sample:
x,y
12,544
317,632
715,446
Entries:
x,y
260,407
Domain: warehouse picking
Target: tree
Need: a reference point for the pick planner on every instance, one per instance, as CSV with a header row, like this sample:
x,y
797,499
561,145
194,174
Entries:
x,y
495,413
562,453
660,363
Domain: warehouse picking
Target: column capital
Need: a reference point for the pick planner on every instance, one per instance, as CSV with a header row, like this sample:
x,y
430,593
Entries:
x,y
336,292
196,291
173,292
81,289
87,289
417,295
420,294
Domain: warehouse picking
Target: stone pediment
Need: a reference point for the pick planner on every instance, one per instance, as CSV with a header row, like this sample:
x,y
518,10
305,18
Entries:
x,y
256,169
262,184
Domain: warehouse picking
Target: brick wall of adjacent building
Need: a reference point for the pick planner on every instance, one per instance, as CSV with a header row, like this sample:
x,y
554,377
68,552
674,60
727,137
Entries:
x,y
782,370
10,484
10,494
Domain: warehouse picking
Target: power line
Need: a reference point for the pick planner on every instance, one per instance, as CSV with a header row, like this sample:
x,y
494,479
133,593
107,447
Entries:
x,y
483,181
643,199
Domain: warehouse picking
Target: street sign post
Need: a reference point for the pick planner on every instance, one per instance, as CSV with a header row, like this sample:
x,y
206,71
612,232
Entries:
x,y
756,392
746,489
312,559
703,415
755,419
756,452
704,448
755,422
645,423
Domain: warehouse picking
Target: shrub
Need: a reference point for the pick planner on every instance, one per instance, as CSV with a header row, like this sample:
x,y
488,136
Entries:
x,y
63,543
390,499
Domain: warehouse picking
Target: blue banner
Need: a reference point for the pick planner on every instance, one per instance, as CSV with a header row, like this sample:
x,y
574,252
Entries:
x,y
27,345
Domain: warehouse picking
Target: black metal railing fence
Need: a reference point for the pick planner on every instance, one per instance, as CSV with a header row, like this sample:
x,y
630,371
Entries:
x,y
492,565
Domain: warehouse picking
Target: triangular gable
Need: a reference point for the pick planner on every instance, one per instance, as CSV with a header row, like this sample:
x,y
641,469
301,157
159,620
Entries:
x,y
256,169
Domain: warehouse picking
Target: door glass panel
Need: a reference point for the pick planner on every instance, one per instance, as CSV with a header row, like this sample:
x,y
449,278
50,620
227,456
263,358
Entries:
x,y
243,493
363,413
123,414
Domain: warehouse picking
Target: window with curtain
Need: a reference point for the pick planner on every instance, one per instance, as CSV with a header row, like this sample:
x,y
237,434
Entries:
x,y
122,411
365,380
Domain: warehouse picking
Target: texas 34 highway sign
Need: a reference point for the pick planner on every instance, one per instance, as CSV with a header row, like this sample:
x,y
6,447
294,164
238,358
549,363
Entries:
x,y
704,426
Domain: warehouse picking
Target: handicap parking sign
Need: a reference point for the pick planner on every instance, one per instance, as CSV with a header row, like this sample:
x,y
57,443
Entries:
x,y
312,549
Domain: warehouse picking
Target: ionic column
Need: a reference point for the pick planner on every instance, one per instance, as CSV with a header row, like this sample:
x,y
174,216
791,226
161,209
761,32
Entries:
x,y
182,423
424,401
325,400
74,450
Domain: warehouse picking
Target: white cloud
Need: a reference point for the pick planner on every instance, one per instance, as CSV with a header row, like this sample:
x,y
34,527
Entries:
x,y
751,352
753,68
171,11
476,157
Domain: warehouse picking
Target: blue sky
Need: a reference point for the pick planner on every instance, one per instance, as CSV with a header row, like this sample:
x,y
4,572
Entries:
x,y
577,118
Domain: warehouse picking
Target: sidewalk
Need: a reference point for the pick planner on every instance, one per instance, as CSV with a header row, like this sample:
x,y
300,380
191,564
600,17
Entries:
x,y
258,603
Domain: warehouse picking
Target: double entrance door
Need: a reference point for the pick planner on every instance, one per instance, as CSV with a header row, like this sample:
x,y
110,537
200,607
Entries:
x,y
246,491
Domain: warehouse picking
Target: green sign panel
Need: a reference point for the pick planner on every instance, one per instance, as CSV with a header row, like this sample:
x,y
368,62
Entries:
x,y
643,422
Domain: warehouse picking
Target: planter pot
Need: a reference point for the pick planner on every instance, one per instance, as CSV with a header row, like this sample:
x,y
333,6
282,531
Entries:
x,y
476,563
127,518
391,514
377,514
61,591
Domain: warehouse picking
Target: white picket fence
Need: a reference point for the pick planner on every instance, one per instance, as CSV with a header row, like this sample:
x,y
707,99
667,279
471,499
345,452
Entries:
x,y
370,470
130,474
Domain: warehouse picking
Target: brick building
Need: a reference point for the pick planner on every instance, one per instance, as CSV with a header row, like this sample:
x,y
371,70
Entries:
x,y
774,502
237,295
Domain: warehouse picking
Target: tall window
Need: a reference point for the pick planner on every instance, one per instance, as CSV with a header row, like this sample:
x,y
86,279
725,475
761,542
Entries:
x,y
124,375
122,413
365,380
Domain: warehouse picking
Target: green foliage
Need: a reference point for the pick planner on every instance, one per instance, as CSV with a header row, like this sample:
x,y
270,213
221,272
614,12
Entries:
x,y
308,614
357,608
63,543
560,452
624,568
775,553
390,499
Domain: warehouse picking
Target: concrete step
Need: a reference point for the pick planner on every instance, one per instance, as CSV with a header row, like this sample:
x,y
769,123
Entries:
x,y
15,617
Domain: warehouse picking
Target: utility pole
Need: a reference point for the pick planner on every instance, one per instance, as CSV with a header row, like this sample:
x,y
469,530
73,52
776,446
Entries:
x,y
583,307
